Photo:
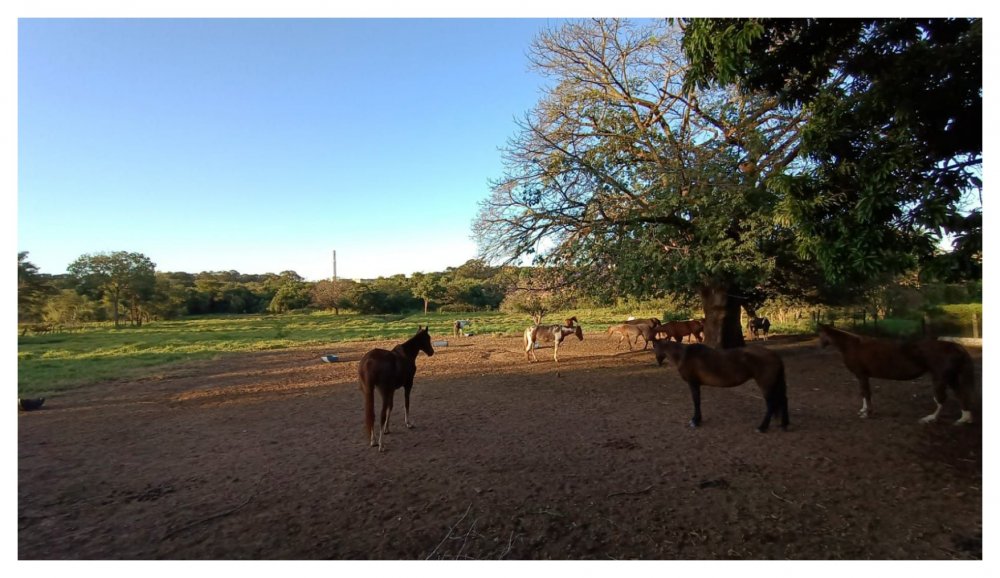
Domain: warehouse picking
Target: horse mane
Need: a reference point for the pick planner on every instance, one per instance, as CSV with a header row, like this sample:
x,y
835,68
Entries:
x,y
410,347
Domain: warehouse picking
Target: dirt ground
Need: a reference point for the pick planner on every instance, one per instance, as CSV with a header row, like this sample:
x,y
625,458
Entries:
x,y
264,456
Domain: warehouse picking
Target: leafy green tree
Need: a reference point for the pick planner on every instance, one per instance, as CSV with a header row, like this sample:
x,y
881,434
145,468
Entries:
x,y
892,148
120,276
291,295
427,287
642,188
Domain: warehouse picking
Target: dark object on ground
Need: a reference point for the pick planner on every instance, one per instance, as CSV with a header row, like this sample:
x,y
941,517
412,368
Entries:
x,y
25,404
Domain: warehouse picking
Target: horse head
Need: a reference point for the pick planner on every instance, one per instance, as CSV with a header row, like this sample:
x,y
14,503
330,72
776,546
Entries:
x,y
423,340
664,348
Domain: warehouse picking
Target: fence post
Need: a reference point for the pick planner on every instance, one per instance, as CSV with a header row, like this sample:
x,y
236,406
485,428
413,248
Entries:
x,y
975,325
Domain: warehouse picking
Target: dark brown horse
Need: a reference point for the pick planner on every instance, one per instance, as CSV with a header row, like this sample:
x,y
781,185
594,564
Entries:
x,y
949,364
701,365
387,371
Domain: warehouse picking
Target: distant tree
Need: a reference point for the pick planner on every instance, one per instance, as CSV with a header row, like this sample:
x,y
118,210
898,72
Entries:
x,y
291,295
537,291
120,276
336,295
427,287
70,307
32,289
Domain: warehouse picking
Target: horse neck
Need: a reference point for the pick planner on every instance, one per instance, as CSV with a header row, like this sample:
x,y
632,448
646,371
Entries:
x,y
409,348
841,339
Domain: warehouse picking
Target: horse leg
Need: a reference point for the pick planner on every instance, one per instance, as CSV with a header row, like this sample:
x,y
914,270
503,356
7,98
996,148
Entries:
x,y
866,397
555,354
383,425
940,395
696,399
406,405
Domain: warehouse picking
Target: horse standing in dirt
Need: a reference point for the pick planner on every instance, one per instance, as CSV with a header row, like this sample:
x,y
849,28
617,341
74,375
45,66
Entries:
x,y
949,364
700,365
387,371
628,331
646,328
546,333
758,325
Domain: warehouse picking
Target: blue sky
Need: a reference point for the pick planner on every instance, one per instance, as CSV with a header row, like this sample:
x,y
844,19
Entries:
x,y
263,145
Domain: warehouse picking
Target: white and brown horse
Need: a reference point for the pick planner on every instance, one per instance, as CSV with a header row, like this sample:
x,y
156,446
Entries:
x,y
546,333
949,364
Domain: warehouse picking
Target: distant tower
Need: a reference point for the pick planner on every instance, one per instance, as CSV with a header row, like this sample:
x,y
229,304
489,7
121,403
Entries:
x,y
334,266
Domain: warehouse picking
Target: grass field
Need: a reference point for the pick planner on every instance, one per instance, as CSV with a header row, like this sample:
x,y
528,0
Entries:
x,y
52,362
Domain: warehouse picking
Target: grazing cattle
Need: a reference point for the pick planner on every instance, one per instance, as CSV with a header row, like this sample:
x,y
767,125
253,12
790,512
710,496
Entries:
x,y
387,371
949,364
758,325
628,331
700,365
546,333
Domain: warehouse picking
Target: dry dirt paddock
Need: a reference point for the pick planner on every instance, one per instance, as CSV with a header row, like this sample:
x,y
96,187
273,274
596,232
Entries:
x,y
263,457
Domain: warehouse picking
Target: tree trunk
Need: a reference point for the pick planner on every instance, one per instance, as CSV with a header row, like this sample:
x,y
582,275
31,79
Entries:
x,y
723,329
426,302
114,300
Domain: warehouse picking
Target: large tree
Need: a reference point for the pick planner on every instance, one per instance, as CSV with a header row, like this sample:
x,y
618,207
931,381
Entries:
x,y
641,186
119,276
893,142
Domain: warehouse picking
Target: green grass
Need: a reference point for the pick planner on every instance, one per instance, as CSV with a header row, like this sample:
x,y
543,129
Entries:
x,y
53,362
50,363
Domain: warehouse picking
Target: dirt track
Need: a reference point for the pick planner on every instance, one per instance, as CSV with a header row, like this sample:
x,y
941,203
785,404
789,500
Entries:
x,y
263,457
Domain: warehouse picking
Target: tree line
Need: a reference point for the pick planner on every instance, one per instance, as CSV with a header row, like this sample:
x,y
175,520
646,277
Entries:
x,y
125,288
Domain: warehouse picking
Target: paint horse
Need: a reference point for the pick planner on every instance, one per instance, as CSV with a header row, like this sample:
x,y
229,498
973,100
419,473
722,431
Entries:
x,y
758,325
949,364
700,365
546,333
387,371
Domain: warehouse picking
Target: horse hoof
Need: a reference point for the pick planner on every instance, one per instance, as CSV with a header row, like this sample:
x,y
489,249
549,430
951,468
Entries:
x,y
693,423
762,430
409,426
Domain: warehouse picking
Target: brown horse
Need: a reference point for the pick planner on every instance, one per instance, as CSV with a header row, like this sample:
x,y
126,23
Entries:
x,y
949,364
701,365
387,371
647,327
545,333
628,331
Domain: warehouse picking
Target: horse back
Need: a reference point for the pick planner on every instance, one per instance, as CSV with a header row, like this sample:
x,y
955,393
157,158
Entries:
x,y
886,359
380,367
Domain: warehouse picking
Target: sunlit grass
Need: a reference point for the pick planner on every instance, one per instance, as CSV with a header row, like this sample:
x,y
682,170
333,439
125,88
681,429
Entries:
x,y
52,362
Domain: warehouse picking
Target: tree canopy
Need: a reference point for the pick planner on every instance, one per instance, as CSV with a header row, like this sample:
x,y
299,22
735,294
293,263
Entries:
x,y
893,140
